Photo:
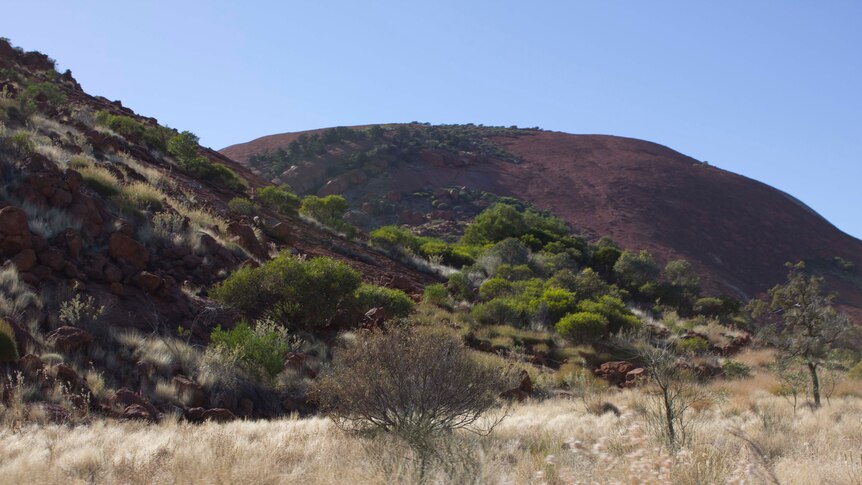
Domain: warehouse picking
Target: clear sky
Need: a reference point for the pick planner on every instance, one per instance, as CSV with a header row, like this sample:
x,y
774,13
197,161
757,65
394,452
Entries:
x,y
769,89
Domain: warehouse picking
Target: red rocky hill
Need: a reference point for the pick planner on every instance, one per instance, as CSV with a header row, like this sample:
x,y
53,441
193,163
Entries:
x,y
737,232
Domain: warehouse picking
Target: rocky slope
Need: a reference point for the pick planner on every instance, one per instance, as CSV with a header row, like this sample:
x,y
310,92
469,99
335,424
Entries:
x,y
736,231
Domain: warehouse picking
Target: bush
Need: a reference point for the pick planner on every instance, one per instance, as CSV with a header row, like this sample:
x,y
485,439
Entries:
x,y
395,302
383,381
134,130
263,347
101,180
709,306
8,347
184,146
328,211
144,196
856,371
306,293
495,287
733,369
242,206
44,92
695,345
279,199
614,310
582,327
558,303
20,144
436,294
634,270
460,287
504,310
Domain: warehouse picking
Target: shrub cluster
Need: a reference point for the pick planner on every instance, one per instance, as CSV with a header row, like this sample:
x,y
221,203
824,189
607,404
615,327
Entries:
x,y
184,146
328,211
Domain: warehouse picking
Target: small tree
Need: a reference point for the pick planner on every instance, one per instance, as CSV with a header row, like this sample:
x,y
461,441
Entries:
x,y
412,382
801,322
677,388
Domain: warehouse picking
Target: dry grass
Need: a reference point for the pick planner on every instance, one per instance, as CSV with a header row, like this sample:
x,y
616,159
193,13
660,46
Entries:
x,y
551,442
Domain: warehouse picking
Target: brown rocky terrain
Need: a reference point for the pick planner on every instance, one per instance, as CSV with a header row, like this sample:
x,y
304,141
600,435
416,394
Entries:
x,y
736,231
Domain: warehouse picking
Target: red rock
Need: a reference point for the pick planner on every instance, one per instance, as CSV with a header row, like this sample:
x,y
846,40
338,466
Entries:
x,y
71,240
118,289
14,231
220,415
69,339
189,392
52,258
246,238
24,260
111,273
148,282
126,250
137,412
67,375
195,415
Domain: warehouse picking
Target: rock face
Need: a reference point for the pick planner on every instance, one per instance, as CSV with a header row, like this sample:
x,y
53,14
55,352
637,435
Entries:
x,y
69,339
14,231
126,250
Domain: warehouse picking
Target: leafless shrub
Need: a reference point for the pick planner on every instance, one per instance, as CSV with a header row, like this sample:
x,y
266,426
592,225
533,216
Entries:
x,y
415,383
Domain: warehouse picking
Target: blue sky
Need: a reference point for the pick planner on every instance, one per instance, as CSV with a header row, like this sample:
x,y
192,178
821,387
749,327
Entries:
x,y
768,89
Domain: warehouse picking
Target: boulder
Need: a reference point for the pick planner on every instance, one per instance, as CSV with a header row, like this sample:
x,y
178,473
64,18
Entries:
x,y
279,231
25,260
128,251
148,282
137,412
69,339
246,238
219,415
615,372
30,365
189,392
14,231
53,258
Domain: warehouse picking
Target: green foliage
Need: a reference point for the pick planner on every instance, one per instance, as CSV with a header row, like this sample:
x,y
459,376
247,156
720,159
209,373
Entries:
x,y
460,287
8,347
502,221
502,310
263,348
243,206
328,211
709,306
394,302
184,147
19,144
694,345
436,294
495,287
635,270
614,310
514,273
134,130
733,369
856,371
558,302
45,92
582,327
680,273
306,293
279,199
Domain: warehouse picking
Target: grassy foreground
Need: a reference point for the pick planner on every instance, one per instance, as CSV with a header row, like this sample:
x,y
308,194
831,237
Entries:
x,y
549,442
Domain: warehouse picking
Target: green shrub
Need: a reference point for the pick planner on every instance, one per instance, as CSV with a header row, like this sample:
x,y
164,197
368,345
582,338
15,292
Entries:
x,y
134,130
184,146
695,345
614,310
495,287
263,347
504,310
8,347
20,144
582,327
558,303
856,371
709,306
328,211
395,302
502,221
436,294
144,196
460,287
243,206
306,293
733,369
279,199
633,270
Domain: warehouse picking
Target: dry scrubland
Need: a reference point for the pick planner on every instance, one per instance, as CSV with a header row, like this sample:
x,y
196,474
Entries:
x,y
746,436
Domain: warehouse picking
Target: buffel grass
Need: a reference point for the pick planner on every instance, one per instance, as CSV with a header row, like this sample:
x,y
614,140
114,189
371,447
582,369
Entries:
x,y
741,441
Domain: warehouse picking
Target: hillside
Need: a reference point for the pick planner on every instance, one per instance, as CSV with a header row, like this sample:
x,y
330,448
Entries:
x,y
737,232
